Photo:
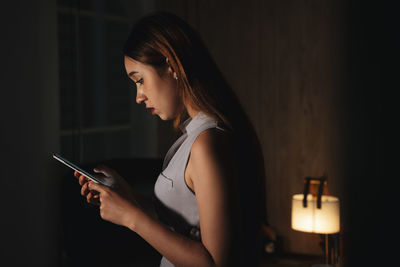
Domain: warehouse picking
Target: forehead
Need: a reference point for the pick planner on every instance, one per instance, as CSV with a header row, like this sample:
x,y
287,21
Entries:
x,y
133,67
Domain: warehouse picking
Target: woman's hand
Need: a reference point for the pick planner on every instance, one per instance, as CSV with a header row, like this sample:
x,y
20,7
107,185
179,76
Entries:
x,y
114,206
91,197
118,184
115,203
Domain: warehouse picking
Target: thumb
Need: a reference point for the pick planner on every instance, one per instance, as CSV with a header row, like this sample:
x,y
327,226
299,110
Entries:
x,y
104,170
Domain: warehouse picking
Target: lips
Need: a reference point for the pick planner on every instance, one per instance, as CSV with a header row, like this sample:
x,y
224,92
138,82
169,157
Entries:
x,y
151,110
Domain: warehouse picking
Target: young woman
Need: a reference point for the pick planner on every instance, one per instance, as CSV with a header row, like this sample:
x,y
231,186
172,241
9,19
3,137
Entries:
x,y
209,203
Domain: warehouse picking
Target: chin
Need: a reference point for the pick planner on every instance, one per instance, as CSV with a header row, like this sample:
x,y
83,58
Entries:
x,y
165,117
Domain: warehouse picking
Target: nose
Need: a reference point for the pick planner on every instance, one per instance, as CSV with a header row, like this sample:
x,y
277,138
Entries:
x,y
140,97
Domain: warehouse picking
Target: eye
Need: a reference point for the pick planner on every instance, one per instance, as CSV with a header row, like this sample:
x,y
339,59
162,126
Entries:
x,y
140,81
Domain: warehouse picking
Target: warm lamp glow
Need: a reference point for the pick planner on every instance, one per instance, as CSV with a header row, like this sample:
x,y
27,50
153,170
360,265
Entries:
x,y
325,220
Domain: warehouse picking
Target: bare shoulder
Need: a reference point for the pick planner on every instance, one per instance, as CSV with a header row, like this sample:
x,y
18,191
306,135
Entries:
x,y
212,151
214,141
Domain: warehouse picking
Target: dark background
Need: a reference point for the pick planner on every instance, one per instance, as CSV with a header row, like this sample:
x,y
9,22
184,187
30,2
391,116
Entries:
x,y
349,46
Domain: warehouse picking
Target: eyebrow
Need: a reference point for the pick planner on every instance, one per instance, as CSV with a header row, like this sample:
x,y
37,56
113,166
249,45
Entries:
x,y
132,73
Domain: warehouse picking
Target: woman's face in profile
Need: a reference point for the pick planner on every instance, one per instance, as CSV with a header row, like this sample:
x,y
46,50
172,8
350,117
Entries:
x,y
158,93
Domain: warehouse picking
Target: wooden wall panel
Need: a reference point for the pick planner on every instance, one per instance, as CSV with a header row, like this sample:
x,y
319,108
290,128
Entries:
x,y
301,148
283,59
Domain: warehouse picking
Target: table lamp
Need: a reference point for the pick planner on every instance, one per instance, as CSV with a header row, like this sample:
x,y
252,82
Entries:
x,y
315,212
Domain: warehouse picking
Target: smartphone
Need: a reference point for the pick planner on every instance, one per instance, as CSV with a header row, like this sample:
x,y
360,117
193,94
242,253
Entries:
x,y
75,167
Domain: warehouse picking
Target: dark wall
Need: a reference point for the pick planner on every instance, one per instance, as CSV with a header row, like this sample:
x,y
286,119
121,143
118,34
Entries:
x,y
29,134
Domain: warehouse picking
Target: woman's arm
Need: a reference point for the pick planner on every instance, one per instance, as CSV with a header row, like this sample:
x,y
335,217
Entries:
x,y
209,170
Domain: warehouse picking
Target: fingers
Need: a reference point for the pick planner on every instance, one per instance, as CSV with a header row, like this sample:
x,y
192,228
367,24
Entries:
x,y
84,189
82,180
93,198
91,195
92,186
107,171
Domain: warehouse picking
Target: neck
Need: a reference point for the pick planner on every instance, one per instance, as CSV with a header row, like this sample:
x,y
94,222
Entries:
x,y
192,111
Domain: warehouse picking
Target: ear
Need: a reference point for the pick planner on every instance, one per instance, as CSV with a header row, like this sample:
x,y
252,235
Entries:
x,y
170,69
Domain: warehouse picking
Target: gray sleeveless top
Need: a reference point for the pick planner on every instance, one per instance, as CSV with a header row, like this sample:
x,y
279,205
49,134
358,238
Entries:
x,y
175,202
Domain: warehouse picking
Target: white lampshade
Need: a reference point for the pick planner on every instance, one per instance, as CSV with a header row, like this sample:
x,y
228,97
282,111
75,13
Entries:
x,y
325,220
